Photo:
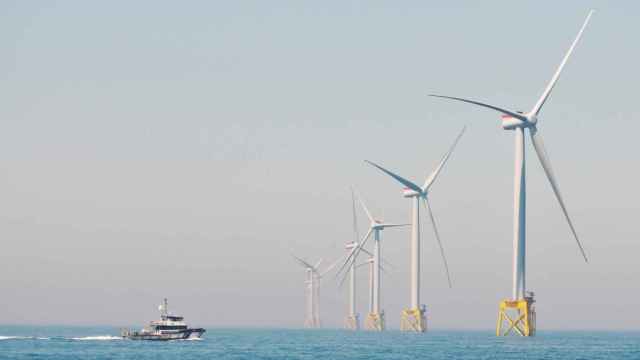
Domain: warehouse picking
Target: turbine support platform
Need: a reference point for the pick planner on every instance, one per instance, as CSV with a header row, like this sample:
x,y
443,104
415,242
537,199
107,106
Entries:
x,y
352,322
375,322
517,317
414,320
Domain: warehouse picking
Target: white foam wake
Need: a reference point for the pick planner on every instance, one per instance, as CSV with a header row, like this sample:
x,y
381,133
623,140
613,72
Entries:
x,y
16,337
98,338
192,339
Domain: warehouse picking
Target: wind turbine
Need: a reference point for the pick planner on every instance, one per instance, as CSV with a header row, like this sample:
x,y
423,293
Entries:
x,y
352,321
414,317
521,301
312,318
375,318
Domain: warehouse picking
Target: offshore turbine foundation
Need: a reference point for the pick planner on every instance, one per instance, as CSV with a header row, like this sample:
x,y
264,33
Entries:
x,y
517,316
375,322
352,322
414,320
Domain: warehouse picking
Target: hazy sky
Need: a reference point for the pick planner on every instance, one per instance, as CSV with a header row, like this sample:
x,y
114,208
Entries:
x,y
162,149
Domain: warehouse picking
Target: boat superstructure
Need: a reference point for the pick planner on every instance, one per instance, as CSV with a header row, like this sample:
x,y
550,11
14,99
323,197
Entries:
x,y
169,327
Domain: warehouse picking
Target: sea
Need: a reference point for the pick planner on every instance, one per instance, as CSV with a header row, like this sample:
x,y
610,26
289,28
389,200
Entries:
x,y
59,342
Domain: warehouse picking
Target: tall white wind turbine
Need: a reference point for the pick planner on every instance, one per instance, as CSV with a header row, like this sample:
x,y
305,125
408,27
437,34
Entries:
x,y
352,321
414,317
521,302
312,318
375,318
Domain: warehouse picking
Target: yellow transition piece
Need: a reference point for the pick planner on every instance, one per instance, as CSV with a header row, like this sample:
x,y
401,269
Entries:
x,y
414,320
517,317
375,322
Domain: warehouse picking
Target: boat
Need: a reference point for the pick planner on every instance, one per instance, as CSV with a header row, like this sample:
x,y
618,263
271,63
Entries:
x,y
169,327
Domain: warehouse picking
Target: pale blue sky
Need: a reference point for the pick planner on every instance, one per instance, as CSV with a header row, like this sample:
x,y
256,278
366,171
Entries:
x,y
153,149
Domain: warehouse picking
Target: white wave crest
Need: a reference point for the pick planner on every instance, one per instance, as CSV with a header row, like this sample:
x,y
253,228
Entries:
x,y
98,338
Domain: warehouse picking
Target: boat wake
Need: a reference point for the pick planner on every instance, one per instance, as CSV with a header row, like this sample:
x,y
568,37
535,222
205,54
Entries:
x,y
97,338
23,338
83,338
15,337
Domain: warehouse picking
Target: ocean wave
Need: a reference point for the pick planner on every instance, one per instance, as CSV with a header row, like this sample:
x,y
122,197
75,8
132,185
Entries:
x,y
98,338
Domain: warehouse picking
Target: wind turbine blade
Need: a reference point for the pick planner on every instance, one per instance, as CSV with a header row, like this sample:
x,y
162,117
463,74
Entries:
x,y
388,225
353,253
356,234
554,79
384,270
342,279
366,210
538,145
330,267
315,268
361,245
345,275
346,261
388,264
367,252
399,178
435,230
302,262
434,174
504,111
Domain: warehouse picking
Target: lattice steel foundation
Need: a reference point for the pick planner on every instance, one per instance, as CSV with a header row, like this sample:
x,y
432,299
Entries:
x,y
414,320
517,317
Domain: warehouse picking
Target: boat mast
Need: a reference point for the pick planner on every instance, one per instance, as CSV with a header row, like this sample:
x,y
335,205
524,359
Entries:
x,y
164,309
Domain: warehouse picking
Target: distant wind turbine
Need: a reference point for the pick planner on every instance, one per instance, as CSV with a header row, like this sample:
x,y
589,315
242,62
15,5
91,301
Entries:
x,y
312,318
414,318
375,318
352,321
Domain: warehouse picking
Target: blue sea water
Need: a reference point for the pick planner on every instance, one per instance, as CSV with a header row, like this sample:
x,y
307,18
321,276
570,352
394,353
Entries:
x,y
48,342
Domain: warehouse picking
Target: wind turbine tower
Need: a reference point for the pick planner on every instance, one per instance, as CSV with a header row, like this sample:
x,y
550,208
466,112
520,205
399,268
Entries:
x,y
517,314
414,317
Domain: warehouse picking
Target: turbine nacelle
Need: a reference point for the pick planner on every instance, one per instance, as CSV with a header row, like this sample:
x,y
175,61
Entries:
x,y
378,227
510,122
409,193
